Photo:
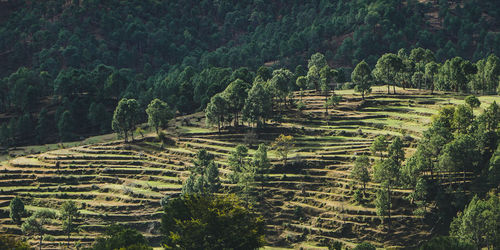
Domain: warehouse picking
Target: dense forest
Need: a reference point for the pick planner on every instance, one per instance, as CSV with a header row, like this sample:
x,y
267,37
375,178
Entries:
x,y
67,63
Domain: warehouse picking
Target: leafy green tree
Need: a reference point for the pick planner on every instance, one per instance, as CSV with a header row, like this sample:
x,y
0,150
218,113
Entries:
x,y
494,168
478,223
313,77
492,73
360,170
455,73
238,161
383,204
262,165
396,151
65,125
461,154
379,145
210,222
492,116
217,110
318,60
333,100
35,224
42,128
125,117
280,83
431,71
327,76
121,237
204,176
301,82
472,101
16,208
69,213
462,119
258,106
386,172
159,114
265,73
388,65
236,94
283,144
362,77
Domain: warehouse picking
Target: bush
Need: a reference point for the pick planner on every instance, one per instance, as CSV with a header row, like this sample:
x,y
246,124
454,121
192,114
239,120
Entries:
x,y
9,242
301,106
358,196
365,246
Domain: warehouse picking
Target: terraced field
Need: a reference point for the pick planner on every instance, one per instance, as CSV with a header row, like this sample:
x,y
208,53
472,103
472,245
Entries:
x,y
306,203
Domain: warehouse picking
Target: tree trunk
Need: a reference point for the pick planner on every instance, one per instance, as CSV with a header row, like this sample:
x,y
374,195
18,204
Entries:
x,y
389,209
394,88
41,236
388,88
363,94
326,105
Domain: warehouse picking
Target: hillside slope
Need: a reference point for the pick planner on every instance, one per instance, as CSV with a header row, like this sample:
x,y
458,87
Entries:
x,y
311,200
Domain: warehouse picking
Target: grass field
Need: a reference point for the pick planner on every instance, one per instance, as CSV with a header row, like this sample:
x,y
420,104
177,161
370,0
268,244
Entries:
x,y
113,182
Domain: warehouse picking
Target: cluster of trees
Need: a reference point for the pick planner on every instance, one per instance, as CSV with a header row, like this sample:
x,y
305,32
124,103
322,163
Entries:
x,y
50,60
457,158
36,224
261,97
419,69
127,116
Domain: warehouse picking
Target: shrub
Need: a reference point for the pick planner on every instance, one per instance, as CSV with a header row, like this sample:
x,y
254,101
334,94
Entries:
x,y
301,106
358,196
365,246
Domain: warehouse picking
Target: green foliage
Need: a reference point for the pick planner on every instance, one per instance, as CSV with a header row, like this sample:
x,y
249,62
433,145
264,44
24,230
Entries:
x,y
258,105
36,223
379,145
364,246
159,114
217,110
396,151
204,178
445,242
236,94
360,170
362,77
69,213
11,243
472,101
383,203
478,223
16,208
386,69
238,162
210,222
121,237
262,164
65,126
125,117
283,144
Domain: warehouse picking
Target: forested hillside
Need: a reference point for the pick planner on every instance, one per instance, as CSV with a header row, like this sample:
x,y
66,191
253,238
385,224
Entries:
x,y
65,64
